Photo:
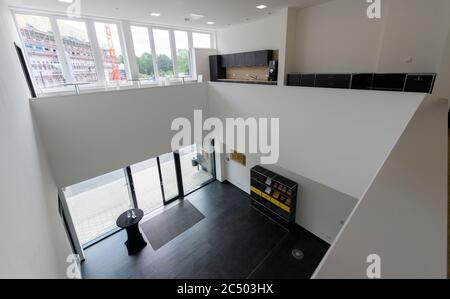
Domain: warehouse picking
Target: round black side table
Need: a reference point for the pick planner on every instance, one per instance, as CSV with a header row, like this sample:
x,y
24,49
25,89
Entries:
x,y
135,242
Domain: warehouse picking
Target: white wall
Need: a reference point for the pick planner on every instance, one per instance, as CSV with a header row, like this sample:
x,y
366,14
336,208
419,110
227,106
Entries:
x,y
264,34
34,243
338,37
201,62
403,215
417,29
287,52
442,86
332,142
93,134
338,138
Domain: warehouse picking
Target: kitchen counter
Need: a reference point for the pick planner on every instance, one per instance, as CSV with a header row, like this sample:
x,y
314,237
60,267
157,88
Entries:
x,y
248,81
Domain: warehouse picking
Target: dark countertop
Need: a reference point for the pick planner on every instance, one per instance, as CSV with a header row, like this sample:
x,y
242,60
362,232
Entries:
x,y
263,82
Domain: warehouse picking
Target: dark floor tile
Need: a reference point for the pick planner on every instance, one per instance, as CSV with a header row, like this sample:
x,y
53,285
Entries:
x,y
232,241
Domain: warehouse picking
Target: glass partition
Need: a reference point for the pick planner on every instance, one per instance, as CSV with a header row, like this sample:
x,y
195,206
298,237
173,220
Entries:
x,y
96,204
197,167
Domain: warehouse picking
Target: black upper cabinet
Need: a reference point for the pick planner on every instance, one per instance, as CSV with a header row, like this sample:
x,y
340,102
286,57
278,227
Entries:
x,y
248,59
225,60
239,60
262,58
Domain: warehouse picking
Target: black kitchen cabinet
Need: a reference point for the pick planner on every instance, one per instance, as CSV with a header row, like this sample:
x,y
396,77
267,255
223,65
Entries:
x,y
215,68
392,82
419,83
247,59
293,80
239,60
250,59
333,81
367,81
362,81
262,58
226,60
308,80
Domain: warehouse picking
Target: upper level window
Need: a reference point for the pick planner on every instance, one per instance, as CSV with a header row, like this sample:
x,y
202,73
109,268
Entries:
x,y
72,54
143,52
183,54
41,50
163,49
202,40
111,50
78,50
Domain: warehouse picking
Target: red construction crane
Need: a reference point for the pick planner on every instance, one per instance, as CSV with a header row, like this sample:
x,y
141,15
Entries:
x,y
112,55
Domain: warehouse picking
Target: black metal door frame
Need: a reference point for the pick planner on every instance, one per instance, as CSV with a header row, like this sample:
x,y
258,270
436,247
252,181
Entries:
x,y
179,175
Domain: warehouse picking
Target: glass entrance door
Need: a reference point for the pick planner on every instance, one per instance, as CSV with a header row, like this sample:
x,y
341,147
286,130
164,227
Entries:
x,y
197,167
169,177
147,185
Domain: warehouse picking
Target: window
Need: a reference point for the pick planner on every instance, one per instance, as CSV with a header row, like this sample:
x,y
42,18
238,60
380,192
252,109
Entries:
x,y
63,52
78,50
197,167
41,49
183,54
95,204
111,50
163,52
143,52
201,40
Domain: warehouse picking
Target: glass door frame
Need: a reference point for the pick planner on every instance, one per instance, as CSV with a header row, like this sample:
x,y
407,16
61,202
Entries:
x,y
79,248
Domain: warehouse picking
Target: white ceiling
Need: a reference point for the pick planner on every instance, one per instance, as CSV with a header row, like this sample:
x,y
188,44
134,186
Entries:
x,y
173,12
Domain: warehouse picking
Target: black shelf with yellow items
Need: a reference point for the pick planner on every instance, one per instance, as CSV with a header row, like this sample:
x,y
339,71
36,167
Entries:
x,y
274,195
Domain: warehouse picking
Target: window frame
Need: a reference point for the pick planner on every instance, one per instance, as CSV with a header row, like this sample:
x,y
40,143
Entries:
x,y
172,30
126,44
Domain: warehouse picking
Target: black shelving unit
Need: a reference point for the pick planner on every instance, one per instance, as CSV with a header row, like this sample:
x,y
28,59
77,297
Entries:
x,y
422,83
274,195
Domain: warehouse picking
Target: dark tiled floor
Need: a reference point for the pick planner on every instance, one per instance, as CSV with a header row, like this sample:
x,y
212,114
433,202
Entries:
x,y
233,241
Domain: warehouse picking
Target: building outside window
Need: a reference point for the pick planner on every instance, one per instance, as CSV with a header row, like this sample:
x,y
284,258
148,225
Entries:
x,y
78,51
41,48
62,51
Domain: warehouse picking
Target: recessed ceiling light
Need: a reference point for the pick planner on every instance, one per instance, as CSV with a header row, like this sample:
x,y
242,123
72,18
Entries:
x,y
155,14
66,1
210,23
262,6
196,17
